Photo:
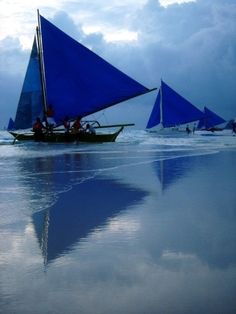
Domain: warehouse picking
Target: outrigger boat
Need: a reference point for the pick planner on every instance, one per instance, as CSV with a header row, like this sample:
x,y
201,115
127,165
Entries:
x,y
59,135
75,81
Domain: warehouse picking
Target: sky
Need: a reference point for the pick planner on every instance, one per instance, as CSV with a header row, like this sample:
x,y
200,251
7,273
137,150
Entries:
x,y
190,44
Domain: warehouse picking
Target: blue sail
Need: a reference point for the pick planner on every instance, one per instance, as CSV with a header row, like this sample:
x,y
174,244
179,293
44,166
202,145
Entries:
x,y
209,120
11,125
30,102
155,114
171,109
79,82
176,109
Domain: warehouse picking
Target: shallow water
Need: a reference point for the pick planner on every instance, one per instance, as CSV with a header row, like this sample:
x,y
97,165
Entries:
x,y
143,225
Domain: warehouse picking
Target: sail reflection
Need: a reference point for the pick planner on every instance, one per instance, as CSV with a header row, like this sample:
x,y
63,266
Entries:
x,y
78,212
171,169
194,225
79,201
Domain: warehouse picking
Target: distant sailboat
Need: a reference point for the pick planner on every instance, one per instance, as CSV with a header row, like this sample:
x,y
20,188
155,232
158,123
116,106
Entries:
x,y
172,110
11,125
66,75
210,120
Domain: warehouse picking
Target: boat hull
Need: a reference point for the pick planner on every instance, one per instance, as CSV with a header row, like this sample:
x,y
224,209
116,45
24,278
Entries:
x,y
59,137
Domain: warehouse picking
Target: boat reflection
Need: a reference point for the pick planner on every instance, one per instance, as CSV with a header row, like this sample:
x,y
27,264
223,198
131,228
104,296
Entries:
x,y
171,169
194,224
79,199
78,212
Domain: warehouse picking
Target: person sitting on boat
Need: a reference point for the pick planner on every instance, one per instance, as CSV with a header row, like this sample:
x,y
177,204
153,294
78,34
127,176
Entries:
x,y
50,118
66,124
38,130
77,126
90,129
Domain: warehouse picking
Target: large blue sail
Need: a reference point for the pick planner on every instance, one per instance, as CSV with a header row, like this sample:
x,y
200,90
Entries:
x,y
30,102
209,120
156,113
176,110
79,82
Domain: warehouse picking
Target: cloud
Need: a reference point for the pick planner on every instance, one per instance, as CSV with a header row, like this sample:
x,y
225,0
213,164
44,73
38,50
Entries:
x,y
166,3
13,62
191,46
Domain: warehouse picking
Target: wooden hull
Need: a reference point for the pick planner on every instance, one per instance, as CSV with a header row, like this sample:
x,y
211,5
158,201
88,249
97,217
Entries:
x,y
60,137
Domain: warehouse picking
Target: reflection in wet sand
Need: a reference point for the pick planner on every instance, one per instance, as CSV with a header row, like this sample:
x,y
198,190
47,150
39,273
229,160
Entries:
x,y
72,198
135,229
79,212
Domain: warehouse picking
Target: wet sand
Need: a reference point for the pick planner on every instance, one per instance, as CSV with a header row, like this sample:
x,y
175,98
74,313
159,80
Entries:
x,y
120,231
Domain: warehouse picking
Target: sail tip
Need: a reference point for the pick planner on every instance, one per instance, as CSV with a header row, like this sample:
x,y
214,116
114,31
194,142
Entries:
x,y
152,89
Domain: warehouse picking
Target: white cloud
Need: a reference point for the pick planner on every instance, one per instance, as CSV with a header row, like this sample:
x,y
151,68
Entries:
x,y
166,3
18,19
112,35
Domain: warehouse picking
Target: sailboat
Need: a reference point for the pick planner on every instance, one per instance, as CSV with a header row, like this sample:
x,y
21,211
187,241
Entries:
x,y
171,110
75,81
210,121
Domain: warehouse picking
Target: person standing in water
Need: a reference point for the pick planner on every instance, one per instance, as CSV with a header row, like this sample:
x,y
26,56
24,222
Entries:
x,y
234,127
188,129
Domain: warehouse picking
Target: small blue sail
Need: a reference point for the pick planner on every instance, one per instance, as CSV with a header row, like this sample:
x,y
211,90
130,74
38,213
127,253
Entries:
x,y
11,125
30,102
176,109
79,82
155,114
209,120
171,109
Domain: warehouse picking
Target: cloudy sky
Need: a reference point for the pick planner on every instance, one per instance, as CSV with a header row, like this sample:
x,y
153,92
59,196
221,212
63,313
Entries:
x,y
190,44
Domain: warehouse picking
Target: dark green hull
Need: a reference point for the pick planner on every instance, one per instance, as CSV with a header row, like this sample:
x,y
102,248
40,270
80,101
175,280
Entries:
x,y
60,137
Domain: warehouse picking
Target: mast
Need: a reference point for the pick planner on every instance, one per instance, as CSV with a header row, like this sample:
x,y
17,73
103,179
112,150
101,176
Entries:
x,y
41,64
161,106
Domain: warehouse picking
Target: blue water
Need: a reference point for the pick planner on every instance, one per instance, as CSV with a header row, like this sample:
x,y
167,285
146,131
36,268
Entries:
x,y
143,225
